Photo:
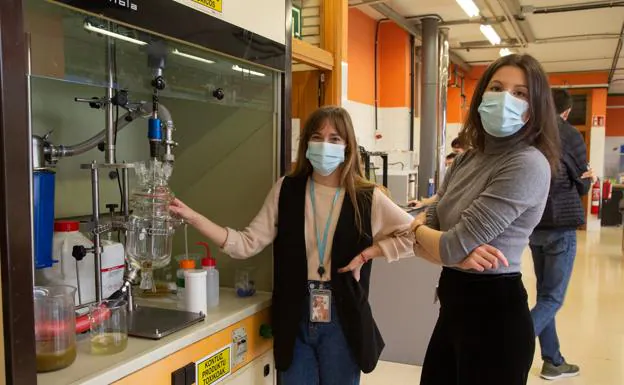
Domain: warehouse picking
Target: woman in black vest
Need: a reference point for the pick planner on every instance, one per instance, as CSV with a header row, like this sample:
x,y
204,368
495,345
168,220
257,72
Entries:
x,y
323,220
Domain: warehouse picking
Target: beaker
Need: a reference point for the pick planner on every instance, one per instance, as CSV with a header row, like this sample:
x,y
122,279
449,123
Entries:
x,y
109,327
244,282
55,327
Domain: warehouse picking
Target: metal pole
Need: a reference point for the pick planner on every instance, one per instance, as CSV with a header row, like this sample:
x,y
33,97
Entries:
x,y
97,250
442,106
126,192
429,105
109,156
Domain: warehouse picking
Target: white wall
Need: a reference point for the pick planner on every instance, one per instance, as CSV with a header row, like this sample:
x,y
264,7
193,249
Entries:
x,y
363,117
597,151
266,18
452,131
394,126
295,133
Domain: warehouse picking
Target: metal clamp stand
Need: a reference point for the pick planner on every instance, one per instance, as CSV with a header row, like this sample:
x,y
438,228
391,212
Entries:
x,y
97,229
366,155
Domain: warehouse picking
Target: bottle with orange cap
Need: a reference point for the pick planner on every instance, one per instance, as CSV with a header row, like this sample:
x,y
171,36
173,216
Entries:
x,y
185,264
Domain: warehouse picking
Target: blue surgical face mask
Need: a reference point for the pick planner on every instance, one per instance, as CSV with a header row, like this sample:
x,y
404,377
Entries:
x,y
325,157
502,114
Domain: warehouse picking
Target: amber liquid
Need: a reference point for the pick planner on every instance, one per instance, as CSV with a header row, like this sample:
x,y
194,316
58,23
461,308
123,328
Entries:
x,y
109,343
50,358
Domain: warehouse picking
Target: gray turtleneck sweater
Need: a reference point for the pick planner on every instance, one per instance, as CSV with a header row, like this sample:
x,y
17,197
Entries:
x,y
492,197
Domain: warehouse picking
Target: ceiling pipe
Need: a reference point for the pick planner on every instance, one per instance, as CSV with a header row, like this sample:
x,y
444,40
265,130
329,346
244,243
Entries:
x,y
510,15
410,28
488,4
498,46
571,8
487,44
616,55
515,14
512,43
573,38
481,20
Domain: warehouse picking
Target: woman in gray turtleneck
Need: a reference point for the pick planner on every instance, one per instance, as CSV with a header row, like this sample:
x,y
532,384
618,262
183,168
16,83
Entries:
x,y
491,199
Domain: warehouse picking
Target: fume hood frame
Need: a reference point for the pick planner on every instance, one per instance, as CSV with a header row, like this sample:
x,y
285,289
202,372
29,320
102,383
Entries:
x,y
181,23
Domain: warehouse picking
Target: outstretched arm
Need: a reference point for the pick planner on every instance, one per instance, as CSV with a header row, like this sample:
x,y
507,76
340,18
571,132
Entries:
x,y
238,244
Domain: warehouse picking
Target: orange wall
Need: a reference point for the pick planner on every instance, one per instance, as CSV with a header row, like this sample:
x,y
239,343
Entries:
x,y
598,95
578,78
457,114
361,57
394,62
599,101
615,116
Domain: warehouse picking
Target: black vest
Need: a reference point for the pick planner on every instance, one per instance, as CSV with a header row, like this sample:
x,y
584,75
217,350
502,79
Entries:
x,y
291,276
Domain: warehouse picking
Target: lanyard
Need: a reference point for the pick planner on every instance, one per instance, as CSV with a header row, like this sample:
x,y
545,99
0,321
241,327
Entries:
x,y
322,243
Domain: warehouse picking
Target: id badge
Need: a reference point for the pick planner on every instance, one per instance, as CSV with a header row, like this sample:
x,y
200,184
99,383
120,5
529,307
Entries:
x,y
320,306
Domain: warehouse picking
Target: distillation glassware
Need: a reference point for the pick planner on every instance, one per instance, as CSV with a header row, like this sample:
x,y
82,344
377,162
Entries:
x,y
150,228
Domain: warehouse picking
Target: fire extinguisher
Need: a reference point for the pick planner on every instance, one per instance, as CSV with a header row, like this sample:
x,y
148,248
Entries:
x,y
606,189
595,198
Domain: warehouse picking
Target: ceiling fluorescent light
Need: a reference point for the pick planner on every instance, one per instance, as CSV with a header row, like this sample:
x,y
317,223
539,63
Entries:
x,y
505,51
246,71
469,7
90,27
489,32
192,57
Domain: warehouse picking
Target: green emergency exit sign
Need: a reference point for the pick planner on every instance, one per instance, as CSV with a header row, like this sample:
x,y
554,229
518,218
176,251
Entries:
x,y
296,22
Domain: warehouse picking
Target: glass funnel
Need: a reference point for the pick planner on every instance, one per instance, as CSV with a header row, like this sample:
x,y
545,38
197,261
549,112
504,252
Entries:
x,y
150,228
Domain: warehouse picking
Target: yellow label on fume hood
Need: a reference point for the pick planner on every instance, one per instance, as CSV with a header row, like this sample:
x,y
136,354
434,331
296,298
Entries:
x,y
215,5
215,367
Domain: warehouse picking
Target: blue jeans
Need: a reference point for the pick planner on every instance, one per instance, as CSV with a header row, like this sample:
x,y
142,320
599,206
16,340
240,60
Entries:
x,y
553,257
321,354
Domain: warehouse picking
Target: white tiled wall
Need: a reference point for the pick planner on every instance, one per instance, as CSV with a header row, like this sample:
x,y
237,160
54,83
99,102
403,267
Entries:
x,y
452,131
363,117
597,151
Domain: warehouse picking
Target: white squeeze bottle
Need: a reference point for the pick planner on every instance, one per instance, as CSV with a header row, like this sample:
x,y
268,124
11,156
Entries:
x,y
212,279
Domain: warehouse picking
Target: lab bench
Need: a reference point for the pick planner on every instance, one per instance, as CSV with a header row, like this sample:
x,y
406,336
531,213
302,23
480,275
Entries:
x,y
229,339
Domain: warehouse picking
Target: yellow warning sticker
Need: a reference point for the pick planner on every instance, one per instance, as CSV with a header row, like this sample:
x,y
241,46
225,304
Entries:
x,y
215,5
215,367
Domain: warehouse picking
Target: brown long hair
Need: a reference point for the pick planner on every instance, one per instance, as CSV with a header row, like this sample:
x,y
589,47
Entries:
x,y
352,178
540,130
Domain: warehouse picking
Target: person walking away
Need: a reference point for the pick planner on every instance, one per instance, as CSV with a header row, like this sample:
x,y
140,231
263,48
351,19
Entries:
x,y
490,201
553,243
326,222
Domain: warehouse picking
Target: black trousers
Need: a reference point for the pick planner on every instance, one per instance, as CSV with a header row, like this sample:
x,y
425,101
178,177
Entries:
x,y
484,334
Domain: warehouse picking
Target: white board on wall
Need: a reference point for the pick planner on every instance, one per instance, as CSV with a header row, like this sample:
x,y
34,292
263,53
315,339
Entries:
x,y
266,18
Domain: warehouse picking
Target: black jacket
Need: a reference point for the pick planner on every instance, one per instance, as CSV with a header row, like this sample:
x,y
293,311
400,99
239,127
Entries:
x,y
290,284
564,208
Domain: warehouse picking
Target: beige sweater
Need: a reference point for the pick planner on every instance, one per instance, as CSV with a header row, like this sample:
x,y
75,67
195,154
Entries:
x,y
390,227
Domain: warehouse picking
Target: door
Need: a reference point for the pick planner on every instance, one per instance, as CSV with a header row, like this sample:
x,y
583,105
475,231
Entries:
x,y
260,371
